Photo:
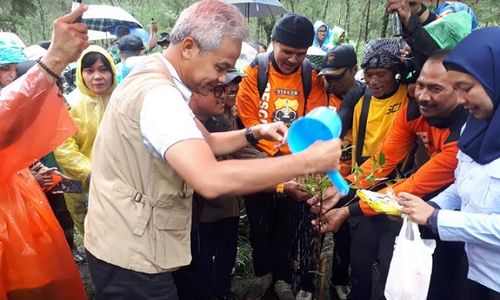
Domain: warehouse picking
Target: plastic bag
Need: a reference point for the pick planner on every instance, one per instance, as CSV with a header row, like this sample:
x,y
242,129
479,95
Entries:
x,y
449,30
411,265
380,203
35,260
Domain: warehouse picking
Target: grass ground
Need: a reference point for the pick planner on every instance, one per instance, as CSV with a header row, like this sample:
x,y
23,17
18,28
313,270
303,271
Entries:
x,y
243,274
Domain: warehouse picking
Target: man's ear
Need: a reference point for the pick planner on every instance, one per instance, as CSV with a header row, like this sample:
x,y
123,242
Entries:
x,y
189,48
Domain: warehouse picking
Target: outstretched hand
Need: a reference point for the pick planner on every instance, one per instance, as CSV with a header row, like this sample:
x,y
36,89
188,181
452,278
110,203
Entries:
x,y
330,199
322,156
418,210
276,131
332,220
293,190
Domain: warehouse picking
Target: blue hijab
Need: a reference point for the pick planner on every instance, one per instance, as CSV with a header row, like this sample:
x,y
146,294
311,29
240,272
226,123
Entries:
x,y
479,56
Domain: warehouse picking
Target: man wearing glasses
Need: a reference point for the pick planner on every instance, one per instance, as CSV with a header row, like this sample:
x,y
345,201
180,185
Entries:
x,y
338,68
215,222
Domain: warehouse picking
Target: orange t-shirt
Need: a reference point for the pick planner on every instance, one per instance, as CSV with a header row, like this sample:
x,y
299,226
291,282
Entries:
x,y
440,143
282,100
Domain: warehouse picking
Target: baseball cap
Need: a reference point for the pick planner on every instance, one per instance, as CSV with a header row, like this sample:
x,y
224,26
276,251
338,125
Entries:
x,y
130,43
233,76
337,60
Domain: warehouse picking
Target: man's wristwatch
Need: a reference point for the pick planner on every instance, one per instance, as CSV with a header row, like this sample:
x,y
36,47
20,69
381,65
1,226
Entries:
x,y
250,137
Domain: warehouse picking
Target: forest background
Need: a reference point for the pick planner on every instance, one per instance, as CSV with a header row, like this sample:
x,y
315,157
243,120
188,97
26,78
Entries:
x,y
362,19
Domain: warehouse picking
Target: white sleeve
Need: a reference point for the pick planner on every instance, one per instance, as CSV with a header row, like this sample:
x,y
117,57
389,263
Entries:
x,y
477,228
449,198
165,120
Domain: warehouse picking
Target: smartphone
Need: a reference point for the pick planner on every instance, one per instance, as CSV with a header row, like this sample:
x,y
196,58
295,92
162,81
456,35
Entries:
x,y
74,6
69,186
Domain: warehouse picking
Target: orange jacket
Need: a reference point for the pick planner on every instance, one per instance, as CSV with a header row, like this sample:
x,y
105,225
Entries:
x,y
282,100
36,262
440,140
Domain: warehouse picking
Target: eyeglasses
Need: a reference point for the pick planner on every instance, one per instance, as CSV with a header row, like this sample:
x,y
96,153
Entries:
x,y
229,90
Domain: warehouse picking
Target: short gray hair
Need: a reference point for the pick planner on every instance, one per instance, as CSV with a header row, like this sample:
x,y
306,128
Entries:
x,y
208,22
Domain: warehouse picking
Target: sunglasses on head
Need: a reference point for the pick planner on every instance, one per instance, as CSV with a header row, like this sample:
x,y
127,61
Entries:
x,y
229,90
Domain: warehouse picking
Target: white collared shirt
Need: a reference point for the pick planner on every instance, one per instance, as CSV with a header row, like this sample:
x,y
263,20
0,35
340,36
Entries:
x,y
166,118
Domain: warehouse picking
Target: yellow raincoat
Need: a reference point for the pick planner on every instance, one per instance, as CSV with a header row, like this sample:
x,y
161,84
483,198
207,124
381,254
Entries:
x,y
74,156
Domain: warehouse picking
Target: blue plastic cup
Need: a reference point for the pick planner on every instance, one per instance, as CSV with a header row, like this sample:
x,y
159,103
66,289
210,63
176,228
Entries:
x,y
320,124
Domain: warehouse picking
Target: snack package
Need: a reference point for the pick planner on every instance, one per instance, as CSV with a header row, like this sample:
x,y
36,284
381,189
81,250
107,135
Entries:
x,y
381,203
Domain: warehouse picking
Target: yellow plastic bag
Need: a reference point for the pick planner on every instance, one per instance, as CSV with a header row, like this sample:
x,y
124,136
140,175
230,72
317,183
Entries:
x,y
381,203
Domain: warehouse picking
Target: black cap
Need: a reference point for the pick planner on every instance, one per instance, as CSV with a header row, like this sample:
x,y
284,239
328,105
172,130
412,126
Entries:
x,y
337,60
233,76
294,30
130,43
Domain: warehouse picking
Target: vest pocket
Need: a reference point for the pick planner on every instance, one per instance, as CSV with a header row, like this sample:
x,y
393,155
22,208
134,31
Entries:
x,y
171,231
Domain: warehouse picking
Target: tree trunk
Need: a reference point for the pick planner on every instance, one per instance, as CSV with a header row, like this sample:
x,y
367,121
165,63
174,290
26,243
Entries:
x,y
43,17
321,279
327,2
292,5
31,37
367,21
347,15
360,31
384,25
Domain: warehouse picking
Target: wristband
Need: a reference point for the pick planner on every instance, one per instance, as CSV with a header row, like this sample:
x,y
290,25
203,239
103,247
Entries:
x,y
51,73
250,137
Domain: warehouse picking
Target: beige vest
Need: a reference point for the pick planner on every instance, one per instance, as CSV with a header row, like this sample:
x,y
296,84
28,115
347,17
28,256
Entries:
x,y
139,214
